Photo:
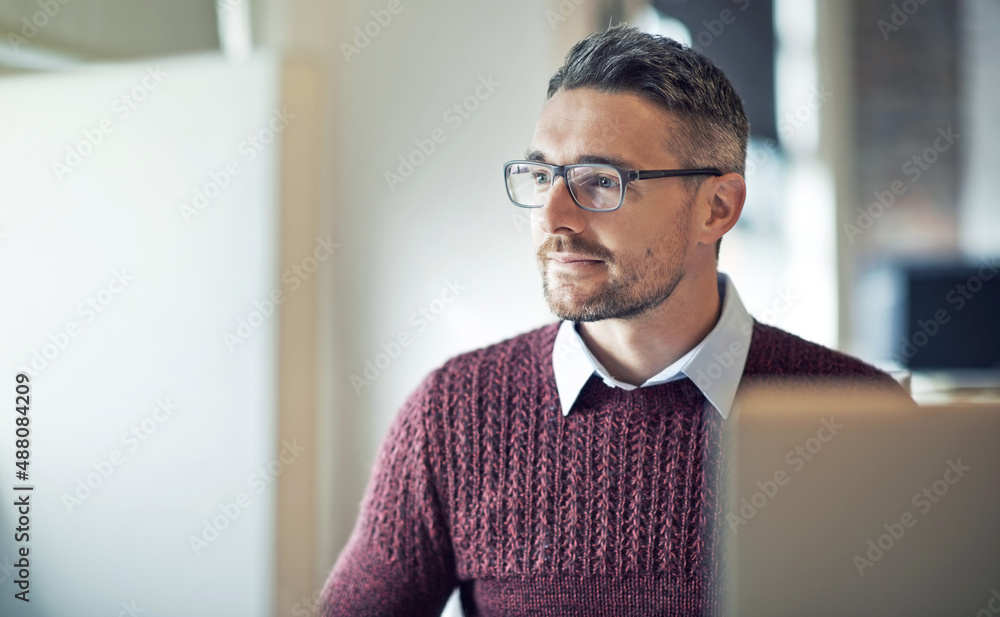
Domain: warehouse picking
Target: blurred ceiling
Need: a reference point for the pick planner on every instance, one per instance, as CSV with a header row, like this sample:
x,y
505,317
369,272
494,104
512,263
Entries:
x,y
49,33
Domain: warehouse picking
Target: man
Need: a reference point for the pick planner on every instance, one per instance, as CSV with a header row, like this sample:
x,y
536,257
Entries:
x,y
572,470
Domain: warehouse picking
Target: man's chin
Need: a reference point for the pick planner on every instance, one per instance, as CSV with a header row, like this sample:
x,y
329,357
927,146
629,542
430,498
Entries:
x,y
596,307
577,301
573,309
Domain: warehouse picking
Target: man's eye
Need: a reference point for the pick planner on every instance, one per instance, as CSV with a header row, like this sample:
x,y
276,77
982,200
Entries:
x,y
541,178
598,181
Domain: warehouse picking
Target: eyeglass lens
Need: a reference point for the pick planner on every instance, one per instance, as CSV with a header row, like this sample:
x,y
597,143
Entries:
x,y
592,186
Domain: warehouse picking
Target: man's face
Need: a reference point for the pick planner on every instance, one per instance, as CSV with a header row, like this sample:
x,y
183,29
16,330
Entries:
x,y
610,265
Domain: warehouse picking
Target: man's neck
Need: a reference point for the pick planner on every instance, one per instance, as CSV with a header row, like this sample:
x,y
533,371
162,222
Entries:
x,y
634,349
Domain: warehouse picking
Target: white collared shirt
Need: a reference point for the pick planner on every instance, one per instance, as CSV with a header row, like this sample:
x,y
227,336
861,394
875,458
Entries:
x,y
715,364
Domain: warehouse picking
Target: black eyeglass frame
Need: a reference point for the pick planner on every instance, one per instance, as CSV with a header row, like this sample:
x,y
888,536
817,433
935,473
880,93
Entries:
x,y
627,175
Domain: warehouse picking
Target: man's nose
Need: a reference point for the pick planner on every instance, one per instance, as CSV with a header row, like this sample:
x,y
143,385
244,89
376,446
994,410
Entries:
x,y
559,213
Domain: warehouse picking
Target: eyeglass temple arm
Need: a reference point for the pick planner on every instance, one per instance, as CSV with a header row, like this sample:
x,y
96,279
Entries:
x,y
645,175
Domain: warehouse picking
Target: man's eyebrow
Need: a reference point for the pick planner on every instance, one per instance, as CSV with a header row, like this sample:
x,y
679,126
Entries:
x,y
536,155
607,160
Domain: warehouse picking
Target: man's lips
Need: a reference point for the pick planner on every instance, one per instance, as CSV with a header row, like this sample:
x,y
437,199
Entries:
x,y
570,258
574,263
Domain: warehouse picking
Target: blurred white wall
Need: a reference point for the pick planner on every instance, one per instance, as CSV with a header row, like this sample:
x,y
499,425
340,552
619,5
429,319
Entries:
x,y
144,419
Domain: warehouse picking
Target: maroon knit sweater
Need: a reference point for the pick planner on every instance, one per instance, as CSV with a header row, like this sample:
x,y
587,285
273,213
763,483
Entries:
x,y
482,483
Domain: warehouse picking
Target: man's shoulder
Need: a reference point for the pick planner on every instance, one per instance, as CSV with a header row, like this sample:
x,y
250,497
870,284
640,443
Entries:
x,y
774,351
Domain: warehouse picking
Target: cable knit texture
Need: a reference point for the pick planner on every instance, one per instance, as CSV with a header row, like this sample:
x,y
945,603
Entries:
x,y
483,484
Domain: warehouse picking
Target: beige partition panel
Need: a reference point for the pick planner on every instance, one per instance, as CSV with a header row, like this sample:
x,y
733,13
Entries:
x,y
302,250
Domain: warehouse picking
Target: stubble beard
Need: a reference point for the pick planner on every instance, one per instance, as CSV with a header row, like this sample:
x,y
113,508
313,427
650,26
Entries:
x,y
632,285
624,294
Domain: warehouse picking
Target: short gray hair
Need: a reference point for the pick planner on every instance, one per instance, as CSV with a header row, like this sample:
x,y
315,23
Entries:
x,y
712,126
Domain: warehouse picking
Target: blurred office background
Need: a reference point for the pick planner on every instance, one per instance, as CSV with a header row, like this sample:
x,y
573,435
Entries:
x,y
235,236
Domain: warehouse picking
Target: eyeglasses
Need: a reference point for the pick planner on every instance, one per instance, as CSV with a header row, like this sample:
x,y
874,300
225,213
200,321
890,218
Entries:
x,y
595,187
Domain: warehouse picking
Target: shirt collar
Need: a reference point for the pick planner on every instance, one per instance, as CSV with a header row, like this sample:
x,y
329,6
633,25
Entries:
x,y
715,364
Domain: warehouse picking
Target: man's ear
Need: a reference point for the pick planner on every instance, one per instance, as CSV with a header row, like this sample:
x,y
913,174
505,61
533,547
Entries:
x,y
721,199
